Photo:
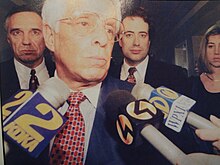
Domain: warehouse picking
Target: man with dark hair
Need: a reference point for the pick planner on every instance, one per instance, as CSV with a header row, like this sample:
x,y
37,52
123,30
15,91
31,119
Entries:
x,y
24,34
135,44
139,67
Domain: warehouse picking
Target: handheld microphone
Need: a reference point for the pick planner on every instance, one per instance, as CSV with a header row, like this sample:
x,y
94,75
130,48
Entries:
x,y
174,105
35,122
133,117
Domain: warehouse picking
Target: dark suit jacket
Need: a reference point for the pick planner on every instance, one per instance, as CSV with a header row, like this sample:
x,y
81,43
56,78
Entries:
x,y
159,74
9,85
9,78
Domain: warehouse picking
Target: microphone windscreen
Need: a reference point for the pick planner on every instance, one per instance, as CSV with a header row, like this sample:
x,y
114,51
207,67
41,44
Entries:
x,y
55,91
126,117
116,99
142,91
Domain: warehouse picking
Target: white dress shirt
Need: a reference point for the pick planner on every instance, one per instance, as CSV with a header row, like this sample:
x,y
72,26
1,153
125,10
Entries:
x,y
24,75
139,74
88,110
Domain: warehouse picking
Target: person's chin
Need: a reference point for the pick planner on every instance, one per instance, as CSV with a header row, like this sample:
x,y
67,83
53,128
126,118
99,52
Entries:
x,y
98,75
28,60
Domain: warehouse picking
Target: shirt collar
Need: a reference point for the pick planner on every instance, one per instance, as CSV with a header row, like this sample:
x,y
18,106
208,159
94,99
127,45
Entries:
x,y
91,93
141,68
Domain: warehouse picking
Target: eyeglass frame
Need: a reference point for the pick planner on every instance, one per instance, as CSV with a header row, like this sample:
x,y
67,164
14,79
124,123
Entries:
x,y
117,35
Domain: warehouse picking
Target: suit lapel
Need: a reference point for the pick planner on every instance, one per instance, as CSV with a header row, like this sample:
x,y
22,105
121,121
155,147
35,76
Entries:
x,y
153,73
149,72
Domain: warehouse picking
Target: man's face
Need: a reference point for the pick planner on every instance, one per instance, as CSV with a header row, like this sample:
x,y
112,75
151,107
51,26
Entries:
x,y
83,55
213,50
25,37
135,42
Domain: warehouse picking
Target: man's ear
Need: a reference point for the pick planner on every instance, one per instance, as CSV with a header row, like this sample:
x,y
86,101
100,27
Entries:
x,y
9,41
49,36
120,42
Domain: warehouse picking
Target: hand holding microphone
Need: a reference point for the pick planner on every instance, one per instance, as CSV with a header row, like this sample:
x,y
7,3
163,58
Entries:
x,y
163,99
201,158
175,106
211,134
133,117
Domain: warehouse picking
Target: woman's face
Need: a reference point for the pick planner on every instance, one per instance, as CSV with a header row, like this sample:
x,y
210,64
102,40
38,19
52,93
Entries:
x,y
213,50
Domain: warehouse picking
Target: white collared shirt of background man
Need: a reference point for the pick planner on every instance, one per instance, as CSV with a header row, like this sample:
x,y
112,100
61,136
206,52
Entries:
x,y
139,74
23,73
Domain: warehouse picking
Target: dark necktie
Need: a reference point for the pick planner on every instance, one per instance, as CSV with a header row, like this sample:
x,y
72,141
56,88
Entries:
x,y
68,147
33,83
131,78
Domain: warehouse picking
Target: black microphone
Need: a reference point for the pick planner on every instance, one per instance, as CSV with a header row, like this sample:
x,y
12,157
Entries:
x,y
133,118
174,105
35,122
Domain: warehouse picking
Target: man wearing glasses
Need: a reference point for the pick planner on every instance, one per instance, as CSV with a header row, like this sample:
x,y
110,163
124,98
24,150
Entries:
x,y
81,34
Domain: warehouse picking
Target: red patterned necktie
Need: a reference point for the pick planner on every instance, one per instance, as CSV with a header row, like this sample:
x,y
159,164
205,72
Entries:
x,y
68,147
131,78
33,83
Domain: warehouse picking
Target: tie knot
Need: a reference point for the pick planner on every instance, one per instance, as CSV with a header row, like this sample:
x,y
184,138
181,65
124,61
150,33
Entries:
x,y
33,82
131,70
76,98
33,72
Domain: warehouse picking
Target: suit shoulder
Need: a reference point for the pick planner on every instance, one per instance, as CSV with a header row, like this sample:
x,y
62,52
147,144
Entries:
x,y
170,68
7,63
115,69
167,65
117,83
7,66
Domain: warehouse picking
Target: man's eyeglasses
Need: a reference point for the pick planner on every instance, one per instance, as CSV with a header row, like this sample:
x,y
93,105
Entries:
x,y
86,23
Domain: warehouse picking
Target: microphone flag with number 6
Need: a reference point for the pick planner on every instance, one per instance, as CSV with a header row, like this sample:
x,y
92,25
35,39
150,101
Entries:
x,y
35,122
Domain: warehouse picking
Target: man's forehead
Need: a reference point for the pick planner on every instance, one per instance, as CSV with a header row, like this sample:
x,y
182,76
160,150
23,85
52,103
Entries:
x,y
25,14
135,24
104,8
129,19
28,19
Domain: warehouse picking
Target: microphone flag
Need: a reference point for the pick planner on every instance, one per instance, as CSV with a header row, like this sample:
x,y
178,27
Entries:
x,y
31,121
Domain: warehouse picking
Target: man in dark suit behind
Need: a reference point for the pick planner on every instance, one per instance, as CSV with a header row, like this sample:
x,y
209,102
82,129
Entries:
x,y
24,34
135,44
